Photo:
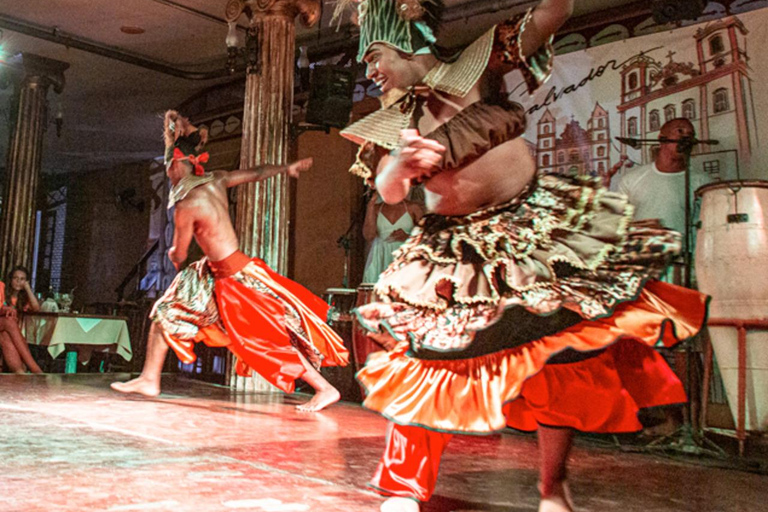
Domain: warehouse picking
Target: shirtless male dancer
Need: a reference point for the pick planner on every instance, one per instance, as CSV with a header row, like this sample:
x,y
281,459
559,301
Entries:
x,y
227,298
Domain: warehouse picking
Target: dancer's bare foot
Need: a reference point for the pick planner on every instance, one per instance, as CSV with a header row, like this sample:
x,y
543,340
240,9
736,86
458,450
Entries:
x,y
557,500
400,505
140,385
322,399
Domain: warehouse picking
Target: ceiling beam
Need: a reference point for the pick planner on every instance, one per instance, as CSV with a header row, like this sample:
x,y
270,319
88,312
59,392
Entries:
x,y
55,35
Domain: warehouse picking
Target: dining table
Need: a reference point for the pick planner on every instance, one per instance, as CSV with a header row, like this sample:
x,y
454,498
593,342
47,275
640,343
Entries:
x,y
78,334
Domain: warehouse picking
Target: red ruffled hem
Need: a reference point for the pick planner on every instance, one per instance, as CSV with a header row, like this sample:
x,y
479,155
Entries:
x,y
602,394
517,387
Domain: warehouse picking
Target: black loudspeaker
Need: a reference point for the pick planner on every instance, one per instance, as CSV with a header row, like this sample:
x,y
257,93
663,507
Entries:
x,y
330,96
668,11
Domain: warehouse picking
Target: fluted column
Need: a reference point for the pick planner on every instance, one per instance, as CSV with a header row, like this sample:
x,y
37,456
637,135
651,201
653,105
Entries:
x,y
262,214
17,224
263,208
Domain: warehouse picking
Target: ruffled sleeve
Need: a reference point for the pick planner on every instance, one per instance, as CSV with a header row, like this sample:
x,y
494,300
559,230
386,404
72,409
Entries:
x,y
507,47
367,161
476,130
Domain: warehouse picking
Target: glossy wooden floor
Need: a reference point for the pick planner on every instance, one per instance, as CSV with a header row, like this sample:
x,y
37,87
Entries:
x,y
68,443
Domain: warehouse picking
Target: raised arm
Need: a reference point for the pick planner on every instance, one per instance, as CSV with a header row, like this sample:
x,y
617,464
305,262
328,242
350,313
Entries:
x,y
547,17
262,172
184,229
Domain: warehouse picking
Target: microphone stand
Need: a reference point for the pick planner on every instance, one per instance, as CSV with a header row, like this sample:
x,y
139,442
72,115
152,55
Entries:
x,y
345,240
688,439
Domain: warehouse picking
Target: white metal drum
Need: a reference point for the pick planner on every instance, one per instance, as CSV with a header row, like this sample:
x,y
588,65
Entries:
x,y
732,267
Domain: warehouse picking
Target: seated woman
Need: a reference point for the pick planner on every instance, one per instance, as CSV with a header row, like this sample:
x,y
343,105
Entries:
x,y
16,296
386,227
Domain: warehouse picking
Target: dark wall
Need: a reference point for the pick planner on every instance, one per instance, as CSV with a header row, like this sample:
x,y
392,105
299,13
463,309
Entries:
x,y
106,230
327,200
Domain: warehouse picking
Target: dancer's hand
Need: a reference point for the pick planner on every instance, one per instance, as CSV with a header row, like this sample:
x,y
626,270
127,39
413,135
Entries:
x,y
398,236
173,258
296,168
416,157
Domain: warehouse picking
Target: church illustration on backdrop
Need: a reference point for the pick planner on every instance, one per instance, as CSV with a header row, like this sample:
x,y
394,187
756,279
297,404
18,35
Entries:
x,y
715,94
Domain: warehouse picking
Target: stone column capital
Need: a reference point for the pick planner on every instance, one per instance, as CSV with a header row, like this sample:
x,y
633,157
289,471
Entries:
x,y
41,71
309,10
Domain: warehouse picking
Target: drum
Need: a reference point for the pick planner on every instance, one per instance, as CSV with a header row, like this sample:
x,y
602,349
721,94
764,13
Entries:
x,y
732,267
341,300
363,345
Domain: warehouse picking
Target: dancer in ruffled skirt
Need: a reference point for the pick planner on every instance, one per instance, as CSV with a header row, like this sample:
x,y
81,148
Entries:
x,y
519,300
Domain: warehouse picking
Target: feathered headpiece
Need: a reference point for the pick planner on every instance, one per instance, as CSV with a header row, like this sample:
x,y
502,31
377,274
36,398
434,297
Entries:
x,y
184,142
406,25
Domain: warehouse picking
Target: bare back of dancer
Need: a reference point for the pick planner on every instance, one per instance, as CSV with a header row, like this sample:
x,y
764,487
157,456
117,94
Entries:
x,y
203,213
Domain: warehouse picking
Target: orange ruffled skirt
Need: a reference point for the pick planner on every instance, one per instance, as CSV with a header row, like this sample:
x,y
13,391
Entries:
x,y
265,319
540,311
602,392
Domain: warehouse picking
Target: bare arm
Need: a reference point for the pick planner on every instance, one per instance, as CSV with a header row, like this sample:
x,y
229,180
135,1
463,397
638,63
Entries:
x,y
262,172
390,183
613,170
369,225
34,305
184,229
547,17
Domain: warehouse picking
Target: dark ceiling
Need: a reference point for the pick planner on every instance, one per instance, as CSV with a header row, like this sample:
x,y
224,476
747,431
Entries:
x,y
111,108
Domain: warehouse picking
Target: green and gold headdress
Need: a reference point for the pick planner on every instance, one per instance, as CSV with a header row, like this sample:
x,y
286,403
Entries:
x,y
406,25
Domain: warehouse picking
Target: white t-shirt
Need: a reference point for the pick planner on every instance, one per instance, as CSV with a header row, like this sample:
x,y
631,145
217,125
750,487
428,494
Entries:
x,y
659,195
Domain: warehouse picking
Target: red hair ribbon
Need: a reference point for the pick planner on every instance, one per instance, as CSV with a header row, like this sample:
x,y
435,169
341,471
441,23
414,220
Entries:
x,y
196,161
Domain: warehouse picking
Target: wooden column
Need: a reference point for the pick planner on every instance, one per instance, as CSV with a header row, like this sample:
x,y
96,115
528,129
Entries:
x,y
17,223
263,209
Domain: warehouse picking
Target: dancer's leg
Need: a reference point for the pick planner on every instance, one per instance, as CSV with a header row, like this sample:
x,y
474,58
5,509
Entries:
x,y
325,393
408,469
148,383
554,447
10,354
11,327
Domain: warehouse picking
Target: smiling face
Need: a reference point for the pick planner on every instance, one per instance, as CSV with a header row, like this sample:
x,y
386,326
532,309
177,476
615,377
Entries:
x,y
391,69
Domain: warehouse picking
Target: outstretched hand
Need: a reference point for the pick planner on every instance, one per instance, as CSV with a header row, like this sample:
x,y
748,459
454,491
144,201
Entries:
x,y
298,167
417,157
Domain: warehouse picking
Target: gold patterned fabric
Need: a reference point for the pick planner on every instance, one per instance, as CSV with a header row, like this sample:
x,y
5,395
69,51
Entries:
x,y
565,243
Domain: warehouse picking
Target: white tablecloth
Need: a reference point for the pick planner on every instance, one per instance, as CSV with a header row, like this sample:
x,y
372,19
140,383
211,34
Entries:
x,y
89,333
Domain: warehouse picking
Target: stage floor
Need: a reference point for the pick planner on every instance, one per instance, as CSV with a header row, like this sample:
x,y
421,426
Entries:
x,y
69,443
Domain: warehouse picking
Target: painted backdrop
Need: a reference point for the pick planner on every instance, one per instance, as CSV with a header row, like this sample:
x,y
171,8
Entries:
x,y
710,72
